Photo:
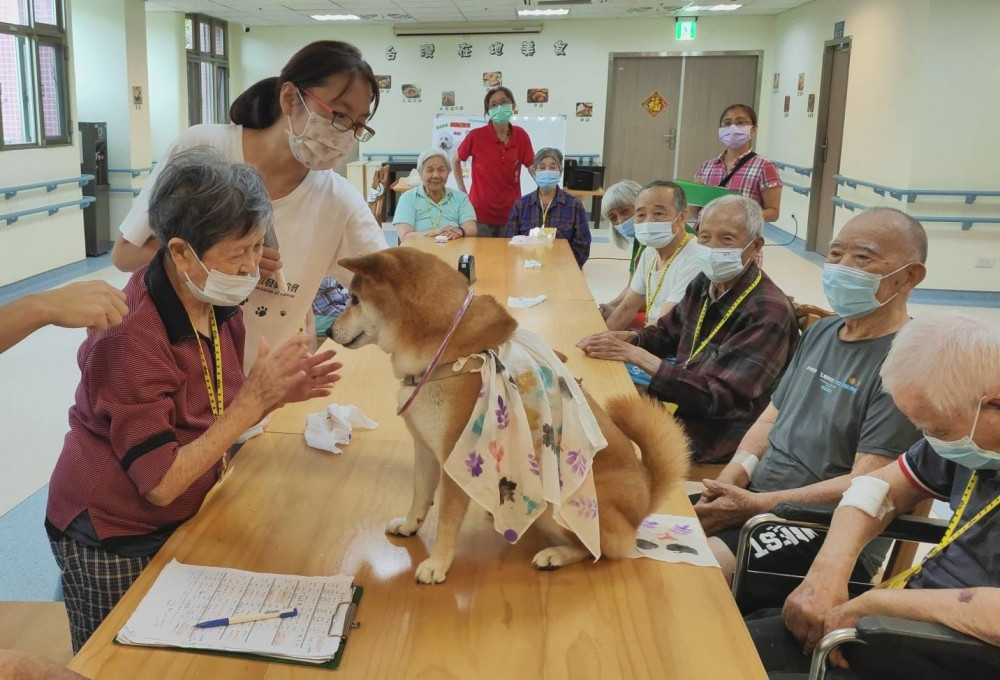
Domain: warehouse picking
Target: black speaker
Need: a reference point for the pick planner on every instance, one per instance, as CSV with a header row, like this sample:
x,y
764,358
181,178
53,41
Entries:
x,y
584,177
467,266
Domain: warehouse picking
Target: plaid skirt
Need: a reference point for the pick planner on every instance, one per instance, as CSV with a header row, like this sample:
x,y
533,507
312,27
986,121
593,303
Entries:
x,y
93,580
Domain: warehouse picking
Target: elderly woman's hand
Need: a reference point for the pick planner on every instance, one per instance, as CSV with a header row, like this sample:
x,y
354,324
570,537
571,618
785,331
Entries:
x,y
451,232
276,373
321,374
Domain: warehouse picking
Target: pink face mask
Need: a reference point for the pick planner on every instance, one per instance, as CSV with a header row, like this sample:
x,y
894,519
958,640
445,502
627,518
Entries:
x,y
319,146
734,136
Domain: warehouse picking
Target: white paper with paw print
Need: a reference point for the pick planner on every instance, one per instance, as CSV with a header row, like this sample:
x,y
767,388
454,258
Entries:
x,y
673,538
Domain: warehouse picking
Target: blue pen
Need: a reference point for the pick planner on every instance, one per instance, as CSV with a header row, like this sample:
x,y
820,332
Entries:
x,y
247,618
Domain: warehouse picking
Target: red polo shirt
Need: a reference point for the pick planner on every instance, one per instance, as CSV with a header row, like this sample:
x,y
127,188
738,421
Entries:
x,y
496,171
142,396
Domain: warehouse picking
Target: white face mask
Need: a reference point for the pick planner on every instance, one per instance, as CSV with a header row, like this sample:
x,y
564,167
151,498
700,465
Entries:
x,y
720,264
224,290
319,146
654,234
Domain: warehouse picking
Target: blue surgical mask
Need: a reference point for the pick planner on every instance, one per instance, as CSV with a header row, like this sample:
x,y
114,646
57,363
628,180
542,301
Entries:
x,y
966,452
850,291
720,264
547,179
627,228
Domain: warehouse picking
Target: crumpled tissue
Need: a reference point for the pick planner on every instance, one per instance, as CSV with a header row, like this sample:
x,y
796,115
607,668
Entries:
x,y
524,303
330,429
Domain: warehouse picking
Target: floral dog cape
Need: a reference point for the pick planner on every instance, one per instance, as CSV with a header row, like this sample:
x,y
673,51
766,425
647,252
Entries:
x,y
531,441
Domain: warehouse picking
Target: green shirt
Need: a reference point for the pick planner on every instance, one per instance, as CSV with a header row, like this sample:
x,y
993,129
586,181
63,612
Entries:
x,y
416,207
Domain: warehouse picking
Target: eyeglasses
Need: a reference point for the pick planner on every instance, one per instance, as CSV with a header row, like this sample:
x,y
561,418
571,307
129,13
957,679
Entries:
x,y
343,122
727,122
502,102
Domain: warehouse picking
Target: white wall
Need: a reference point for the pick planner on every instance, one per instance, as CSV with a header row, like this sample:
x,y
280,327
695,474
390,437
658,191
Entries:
x,y
581,76
920,114
168,114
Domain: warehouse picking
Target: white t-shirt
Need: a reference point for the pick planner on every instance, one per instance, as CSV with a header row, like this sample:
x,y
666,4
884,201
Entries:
x,y
647,277
321,221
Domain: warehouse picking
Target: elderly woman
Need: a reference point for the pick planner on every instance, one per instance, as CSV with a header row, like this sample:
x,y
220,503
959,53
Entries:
x,y
552,208
432,209
618,207
163,397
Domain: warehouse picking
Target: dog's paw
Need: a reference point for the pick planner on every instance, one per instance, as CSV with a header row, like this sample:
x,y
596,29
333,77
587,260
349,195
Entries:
x,y
431,571
400,526
558,556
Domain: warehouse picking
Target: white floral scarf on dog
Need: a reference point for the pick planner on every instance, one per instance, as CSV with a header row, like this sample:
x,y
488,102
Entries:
x,y
531,441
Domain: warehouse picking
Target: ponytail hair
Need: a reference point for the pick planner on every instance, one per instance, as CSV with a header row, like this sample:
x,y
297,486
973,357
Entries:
x,y
259,107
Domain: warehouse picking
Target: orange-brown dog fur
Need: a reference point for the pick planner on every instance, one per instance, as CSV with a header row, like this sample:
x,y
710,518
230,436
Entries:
x,y
406,302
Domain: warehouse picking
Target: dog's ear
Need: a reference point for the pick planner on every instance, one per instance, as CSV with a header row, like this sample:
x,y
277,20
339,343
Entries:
x,y
367,266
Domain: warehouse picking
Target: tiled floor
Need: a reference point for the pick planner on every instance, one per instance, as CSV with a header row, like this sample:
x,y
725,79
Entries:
x,y
41,375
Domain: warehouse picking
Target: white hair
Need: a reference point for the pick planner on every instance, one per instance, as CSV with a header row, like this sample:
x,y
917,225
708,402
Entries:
x,y
432,153
953,360
754,216
620,195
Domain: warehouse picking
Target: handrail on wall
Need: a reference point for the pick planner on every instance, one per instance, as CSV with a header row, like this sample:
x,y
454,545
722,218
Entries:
x,y
135,172
11,192
797,188
910,195
966,222
11,218
124,190
802,170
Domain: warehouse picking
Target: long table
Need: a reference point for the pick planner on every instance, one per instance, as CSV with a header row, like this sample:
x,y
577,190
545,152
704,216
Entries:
x,y
288,508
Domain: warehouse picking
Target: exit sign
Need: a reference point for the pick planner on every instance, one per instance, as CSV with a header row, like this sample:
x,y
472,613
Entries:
x,y
685,29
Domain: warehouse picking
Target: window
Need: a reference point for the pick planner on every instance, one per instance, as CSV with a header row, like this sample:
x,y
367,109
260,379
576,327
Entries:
x,y
34,100
208,69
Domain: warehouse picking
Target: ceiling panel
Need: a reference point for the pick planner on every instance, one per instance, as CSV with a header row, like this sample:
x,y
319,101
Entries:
x,y
298,12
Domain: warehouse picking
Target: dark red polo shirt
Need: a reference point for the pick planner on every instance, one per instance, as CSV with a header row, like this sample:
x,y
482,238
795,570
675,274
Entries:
x,y
496,171
141,397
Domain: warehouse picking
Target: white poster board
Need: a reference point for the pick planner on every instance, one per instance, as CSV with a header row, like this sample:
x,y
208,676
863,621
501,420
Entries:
x,y
544,131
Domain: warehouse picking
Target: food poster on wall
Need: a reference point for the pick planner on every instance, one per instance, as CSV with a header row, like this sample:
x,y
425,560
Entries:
x,y
811,105
655,104
384,83
802,83
492,79
447,98
538,96
411,93
776,82
584,109
788,105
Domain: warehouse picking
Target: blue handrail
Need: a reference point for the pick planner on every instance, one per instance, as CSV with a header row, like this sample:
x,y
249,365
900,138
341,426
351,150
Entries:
x,y
802,170
910,195
13,217
11,192
966,222
798,188
135,172
124,190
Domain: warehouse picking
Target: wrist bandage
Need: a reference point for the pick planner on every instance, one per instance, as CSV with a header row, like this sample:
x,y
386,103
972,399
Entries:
x,y
869,495
747,461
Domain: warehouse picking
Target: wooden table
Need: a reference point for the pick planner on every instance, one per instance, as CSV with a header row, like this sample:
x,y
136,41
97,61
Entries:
x,y
287,508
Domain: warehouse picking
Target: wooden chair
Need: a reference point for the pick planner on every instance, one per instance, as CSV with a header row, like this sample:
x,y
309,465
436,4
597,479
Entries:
x,y
40,628
377,194
807,315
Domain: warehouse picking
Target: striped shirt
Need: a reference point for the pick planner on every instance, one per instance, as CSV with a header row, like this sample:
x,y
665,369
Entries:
x,y
142,396
757,175
729,383
565,214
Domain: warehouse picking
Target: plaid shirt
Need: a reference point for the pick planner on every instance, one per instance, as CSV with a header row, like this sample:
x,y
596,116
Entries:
x,y
566,214
756,175
729,383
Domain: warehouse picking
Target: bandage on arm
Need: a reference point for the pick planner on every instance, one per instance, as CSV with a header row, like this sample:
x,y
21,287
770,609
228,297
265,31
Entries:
x,y
747,461
869,495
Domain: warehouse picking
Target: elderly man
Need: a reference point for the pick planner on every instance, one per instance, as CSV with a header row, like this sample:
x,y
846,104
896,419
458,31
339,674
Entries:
x,y
667,265
944,373
731,336
829,419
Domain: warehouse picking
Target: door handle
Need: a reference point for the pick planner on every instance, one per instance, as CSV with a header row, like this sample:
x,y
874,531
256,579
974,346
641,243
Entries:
x,y
671,139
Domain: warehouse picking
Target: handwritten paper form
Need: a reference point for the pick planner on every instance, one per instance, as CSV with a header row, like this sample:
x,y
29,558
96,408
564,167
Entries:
x,y
183,595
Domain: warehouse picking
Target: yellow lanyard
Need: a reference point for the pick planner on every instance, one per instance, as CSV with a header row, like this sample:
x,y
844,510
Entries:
x,y
635,258
215,397
695,347
545,211
435,224
950,536
650,299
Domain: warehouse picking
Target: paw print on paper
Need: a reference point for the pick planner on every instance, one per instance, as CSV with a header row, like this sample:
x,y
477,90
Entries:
x,y
284,312
261,311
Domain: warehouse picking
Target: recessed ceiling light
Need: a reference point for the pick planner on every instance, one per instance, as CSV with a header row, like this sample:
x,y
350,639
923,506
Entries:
x,y
724,8
542,12
335,17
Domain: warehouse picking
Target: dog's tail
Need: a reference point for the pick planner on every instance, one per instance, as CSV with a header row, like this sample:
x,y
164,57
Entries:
x,y
665,448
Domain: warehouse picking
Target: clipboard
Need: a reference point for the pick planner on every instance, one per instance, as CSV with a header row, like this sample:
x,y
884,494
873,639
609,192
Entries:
x,y
349,624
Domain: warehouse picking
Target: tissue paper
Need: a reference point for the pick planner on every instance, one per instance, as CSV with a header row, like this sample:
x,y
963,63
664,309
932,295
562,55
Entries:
x,y
330,429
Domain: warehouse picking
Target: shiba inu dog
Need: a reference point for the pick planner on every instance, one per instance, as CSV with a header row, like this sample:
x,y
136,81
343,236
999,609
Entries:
x,y
418,309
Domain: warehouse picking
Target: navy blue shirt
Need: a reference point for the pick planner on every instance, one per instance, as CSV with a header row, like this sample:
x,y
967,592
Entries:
x,y
972,560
